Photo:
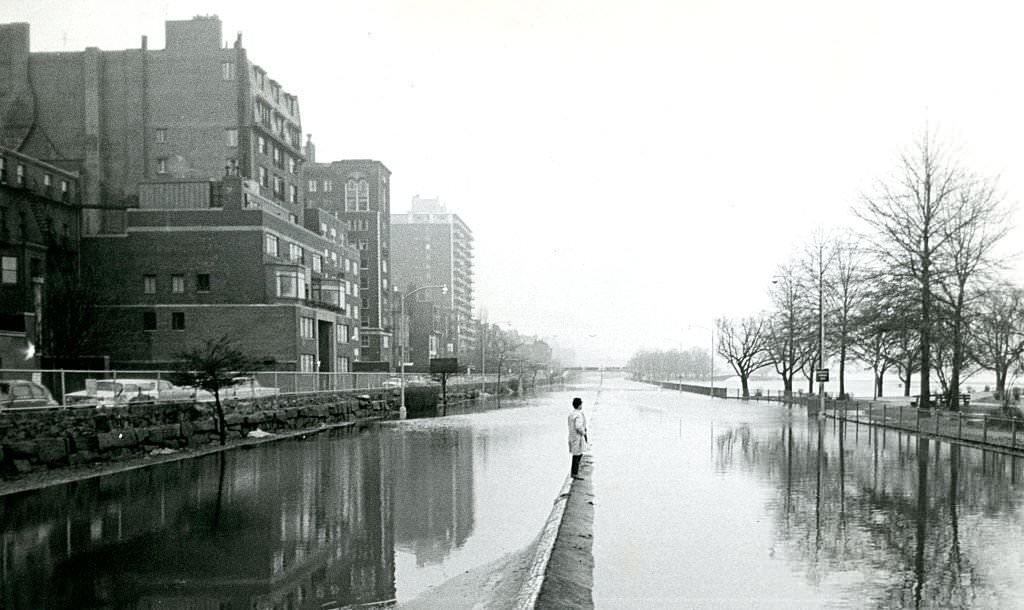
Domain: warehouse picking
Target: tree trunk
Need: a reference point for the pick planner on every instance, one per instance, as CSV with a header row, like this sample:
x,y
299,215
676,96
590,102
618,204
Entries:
x,y
222,424
842,371
743,383
1001,373
926,307
878,384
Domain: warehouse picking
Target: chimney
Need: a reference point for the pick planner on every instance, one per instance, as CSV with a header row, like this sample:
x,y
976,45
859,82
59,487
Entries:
x,y
310,149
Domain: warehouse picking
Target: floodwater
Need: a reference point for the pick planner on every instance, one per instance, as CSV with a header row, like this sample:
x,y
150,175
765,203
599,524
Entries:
x,y
723,504
699,503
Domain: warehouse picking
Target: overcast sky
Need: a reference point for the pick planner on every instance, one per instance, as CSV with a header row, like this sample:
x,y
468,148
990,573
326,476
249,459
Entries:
x,y
630,170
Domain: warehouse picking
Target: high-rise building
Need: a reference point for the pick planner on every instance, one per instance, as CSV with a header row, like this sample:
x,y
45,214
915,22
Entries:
x,y
196,109
433,247
357,191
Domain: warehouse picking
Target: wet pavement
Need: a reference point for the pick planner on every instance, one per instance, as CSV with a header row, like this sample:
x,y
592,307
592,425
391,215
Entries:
x,y
699,503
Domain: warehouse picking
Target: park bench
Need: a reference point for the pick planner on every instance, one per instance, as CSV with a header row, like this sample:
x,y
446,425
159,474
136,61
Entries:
x,y
937,400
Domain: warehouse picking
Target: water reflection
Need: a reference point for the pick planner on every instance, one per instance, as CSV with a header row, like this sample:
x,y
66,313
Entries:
x,y
885,518
433,475
303,524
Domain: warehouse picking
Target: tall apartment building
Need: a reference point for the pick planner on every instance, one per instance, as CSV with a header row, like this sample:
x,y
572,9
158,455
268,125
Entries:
x,y
200,259
196,109
357,192
434,247
39,254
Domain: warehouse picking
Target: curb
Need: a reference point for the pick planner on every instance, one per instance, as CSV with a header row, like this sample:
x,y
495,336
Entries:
x,y
530,591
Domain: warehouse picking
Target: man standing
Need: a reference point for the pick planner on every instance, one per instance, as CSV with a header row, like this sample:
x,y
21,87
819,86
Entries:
x,y
578,441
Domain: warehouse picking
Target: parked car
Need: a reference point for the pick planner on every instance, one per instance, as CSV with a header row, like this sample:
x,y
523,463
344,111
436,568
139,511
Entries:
x,y
392,382
244,388
120,392
23,394
247,387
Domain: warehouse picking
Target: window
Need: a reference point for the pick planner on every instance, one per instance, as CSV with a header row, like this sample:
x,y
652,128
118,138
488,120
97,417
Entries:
x,y
161,166
306,328
343,333
149,284
264,177
278,187
365,340
307,363
63,188
290,284
364,195
343,365
9,270
227,70
363,244
178,320
149,320
385,341
203,282
231,137
384,267
261,144
47,180
364,263
317,263
270,244
278,157
293,193
350,195
295,253
293,165
355,330
328,186
178,283
20,174
312,186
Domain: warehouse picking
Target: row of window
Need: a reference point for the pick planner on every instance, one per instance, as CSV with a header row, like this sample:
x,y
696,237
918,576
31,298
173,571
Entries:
x,y
19,177
149,321
278,154
263,176
296,254
149,283
307,330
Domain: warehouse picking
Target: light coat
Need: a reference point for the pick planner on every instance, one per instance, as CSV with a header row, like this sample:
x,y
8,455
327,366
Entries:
x,y
578,440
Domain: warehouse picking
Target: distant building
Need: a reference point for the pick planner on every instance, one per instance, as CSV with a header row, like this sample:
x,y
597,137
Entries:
x,y
433,247
39,255
194,110
358,193
200,259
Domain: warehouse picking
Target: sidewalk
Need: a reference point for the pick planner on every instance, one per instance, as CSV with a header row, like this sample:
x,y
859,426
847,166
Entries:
x,y
568,578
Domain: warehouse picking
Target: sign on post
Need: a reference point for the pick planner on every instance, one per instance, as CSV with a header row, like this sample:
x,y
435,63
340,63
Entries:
x,y
821,375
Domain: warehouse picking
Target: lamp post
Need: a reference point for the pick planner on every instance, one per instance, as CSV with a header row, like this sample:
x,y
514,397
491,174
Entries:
x,y
444,290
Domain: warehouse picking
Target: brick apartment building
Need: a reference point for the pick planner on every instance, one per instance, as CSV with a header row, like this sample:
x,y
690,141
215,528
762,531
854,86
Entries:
x,y
125,117
433,247
39,254
358,193
199,259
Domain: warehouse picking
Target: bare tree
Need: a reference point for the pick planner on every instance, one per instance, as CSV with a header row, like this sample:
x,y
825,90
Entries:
x,y
968,258
744,345
787,345
998,341
915,216
849,292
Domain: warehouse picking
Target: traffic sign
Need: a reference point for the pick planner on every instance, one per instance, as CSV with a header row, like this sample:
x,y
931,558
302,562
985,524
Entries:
x,y
821,375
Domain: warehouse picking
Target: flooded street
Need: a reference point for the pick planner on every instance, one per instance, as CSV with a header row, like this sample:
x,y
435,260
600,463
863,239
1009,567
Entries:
x,y
700,503
724,504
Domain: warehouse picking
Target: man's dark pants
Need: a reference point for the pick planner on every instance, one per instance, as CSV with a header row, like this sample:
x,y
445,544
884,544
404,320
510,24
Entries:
x,y
576,464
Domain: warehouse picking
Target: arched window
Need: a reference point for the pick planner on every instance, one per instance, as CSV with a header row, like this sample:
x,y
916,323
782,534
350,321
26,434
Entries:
x,y
350,195
364,195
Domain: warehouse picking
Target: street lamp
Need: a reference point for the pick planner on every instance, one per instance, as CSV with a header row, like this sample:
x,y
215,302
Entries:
x,y
444,290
